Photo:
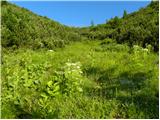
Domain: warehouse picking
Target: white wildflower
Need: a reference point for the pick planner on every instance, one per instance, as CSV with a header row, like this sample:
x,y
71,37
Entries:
x,y
145,50
50,50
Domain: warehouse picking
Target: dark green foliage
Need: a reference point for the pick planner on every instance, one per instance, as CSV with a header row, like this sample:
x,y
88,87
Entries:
x,y
124,13
86,79
114,23
22,28
3,3
141,28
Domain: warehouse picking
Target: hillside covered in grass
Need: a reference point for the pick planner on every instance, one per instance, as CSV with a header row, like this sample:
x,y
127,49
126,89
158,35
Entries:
x,y
140,28
23,28
108,71
105,81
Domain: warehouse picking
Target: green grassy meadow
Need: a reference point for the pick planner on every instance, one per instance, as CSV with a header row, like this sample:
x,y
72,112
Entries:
x,y
87,79
51,70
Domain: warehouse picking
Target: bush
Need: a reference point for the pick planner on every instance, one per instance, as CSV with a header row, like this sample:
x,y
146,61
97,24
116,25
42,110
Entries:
x,y
107,41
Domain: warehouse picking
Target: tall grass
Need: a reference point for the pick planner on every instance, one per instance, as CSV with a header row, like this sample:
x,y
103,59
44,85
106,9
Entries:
x,y
117,82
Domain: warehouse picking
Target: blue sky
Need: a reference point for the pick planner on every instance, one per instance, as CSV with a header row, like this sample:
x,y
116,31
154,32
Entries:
x,y
81,13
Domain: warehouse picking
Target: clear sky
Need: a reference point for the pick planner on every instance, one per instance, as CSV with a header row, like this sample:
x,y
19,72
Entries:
x,y
81,13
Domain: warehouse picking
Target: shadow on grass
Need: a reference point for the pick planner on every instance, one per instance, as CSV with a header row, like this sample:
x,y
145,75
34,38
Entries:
x,y
127,88
110,85
98,74
36,112
123,88
148,104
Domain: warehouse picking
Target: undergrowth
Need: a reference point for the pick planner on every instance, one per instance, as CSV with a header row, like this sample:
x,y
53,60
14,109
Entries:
x,y
83,80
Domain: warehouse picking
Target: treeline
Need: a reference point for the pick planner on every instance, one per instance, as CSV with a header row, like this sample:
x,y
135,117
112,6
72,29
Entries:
x,y
23,28
140,28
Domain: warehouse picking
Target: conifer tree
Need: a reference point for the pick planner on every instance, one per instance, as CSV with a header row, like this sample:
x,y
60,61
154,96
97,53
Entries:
x,y
124,13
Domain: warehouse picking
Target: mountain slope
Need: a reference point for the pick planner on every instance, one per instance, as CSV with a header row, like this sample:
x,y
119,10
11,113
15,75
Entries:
x,y
141,27
21,27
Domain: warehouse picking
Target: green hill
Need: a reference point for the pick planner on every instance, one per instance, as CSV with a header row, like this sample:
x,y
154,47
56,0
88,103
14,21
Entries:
x,y
96,77
21,27
140,27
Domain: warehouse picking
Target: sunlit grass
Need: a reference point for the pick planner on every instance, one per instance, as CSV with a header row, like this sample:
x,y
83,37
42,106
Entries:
x,y
118,83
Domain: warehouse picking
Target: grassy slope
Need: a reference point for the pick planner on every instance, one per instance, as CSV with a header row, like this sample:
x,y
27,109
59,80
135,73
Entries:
x,y
118,83
140,27
23,28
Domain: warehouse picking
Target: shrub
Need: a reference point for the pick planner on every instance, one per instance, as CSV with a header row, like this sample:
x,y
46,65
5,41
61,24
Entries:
x,y
107,41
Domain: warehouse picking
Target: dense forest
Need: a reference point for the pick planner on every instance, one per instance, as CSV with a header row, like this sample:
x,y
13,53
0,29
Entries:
x,y
50,70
